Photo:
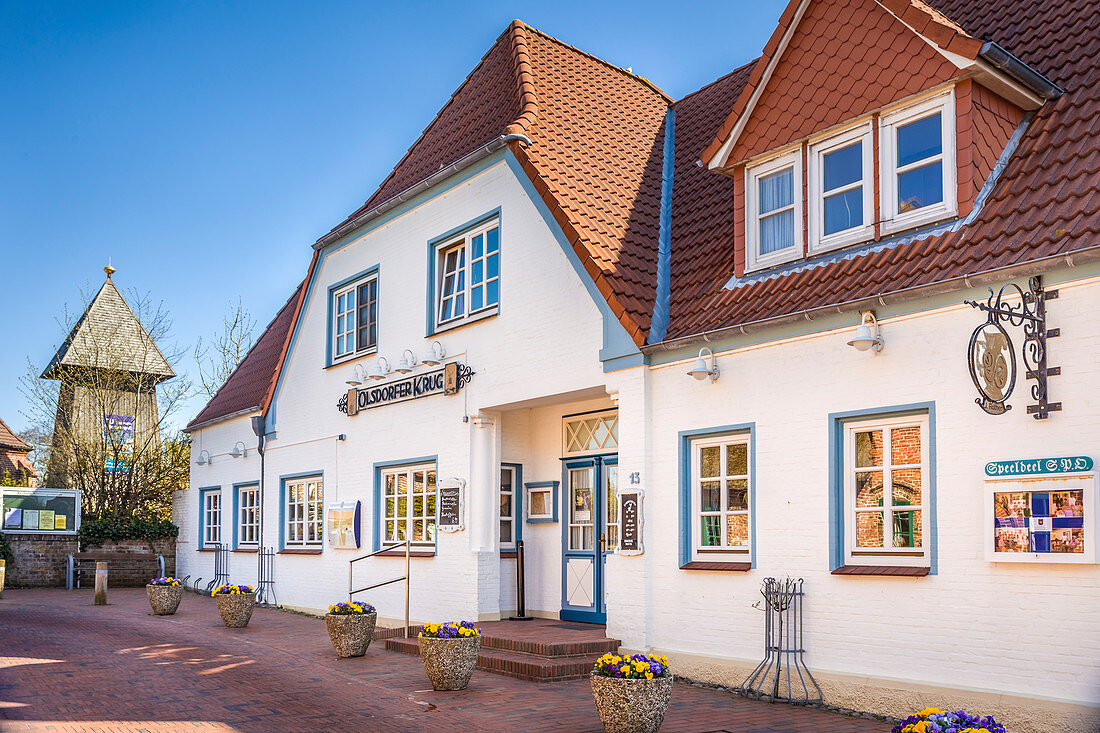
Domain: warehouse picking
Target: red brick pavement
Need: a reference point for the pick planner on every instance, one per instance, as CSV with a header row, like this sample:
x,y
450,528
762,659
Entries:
x,y
68,666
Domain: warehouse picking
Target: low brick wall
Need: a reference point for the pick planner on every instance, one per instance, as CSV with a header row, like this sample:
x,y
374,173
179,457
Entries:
x,y
40,561
118,577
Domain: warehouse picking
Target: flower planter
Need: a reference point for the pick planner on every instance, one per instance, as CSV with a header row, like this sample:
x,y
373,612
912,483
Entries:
x,y
450,662
351,633
164,599
630,705
236,608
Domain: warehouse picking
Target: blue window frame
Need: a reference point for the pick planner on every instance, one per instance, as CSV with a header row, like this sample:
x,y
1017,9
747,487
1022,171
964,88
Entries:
x,y
353,316
542,501
301,510
718,495
406,494
210,516
246,515
882,498
464,273
511,504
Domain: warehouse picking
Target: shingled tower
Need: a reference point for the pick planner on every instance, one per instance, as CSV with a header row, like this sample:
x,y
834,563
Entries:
x,y
109,368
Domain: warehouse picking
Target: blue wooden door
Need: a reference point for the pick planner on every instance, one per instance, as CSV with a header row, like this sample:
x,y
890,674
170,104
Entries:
x,y
588,534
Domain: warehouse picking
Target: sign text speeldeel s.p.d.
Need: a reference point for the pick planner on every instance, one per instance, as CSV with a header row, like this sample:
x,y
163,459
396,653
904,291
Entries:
x,y
448,380
1026,466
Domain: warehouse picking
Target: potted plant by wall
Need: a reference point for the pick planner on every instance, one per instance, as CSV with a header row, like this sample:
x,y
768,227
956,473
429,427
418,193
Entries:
x,y
164,595
631,692
934,720
449,652
235,604
351,627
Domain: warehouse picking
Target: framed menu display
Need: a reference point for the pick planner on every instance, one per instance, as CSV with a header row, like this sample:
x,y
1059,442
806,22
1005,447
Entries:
x,y
41,510
1042,518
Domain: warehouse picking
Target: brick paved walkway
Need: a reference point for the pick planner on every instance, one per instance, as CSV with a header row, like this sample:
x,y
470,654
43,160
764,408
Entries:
x,y
66,665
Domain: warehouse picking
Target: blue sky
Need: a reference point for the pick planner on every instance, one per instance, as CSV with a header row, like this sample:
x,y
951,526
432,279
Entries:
x,y
203,146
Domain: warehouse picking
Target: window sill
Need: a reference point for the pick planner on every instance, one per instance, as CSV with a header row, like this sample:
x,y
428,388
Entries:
x,y
253,550
344,360
208,549
452,325
896,570
301,551
401,553
509,553
736,567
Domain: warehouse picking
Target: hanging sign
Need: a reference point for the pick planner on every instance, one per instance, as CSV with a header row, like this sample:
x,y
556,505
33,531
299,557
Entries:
x,y
630,522
450,505
1033,466
447,380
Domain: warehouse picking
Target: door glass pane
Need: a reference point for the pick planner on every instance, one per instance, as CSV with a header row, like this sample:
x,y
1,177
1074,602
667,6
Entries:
x,y
505,505
611,510
580,509
505,531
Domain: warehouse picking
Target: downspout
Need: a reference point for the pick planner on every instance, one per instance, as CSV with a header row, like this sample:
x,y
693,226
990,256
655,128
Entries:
x,y
258,427
659,324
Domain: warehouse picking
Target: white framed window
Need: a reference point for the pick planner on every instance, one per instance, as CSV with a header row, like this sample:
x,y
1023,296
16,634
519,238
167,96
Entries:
x,y
841,189
590,433
886,490
509,504
917,161
304,512
773,211
409,505
468,280
355,318
211,517
248,516
720,488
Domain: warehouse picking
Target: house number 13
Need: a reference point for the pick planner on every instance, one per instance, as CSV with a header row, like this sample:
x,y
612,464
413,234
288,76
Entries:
x,y
635,478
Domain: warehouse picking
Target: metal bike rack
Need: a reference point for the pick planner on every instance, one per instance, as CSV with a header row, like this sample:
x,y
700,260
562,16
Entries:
x,y
405,577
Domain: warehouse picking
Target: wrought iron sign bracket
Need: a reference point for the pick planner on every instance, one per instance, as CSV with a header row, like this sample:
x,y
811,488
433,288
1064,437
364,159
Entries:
x,y
992,357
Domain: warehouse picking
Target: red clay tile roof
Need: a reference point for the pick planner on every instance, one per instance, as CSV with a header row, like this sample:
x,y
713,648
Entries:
x,y
250,384
1046,202
11,441
595,154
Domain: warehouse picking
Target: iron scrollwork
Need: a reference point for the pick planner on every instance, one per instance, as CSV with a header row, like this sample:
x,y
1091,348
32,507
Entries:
x,y
991,356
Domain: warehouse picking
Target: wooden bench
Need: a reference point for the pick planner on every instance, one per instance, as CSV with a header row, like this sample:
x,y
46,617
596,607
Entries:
x,y
84,562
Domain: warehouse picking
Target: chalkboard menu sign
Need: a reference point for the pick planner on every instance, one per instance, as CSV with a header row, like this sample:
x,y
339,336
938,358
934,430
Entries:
x,y
630,522
450,506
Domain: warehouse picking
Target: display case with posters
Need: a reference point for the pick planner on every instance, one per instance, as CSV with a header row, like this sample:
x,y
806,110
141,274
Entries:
x,y
40,511
1036,515
342,525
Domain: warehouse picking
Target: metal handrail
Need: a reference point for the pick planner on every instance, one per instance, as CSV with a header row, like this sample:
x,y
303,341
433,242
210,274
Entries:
x,y
405,577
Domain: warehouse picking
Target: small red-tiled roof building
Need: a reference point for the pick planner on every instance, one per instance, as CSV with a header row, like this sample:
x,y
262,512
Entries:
x,y
15,464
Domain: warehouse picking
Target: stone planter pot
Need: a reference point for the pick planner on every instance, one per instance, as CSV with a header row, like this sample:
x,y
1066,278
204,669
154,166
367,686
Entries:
x,y
351,633
631,706
450,662
236,608
164,599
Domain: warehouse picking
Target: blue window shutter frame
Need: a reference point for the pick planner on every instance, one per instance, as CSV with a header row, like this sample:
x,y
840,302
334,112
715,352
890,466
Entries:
x,y
686,519
376,541
837,519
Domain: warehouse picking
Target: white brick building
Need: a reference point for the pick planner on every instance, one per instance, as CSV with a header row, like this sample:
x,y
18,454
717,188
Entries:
x,y
513,315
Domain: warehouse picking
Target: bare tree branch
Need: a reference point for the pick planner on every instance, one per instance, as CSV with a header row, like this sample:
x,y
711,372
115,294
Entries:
x,y
217,359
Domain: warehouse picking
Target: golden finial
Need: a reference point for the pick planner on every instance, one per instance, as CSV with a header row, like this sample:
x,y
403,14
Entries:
x,y
109,270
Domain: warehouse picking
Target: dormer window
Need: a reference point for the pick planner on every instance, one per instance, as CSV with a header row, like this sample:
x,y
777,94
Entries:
x,y
467,283
841,189
918,163
774,211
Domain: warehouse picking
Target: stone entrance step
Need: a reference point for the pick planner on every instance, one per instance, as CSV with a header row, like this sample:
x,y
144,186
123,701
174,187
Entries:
x,y
540,650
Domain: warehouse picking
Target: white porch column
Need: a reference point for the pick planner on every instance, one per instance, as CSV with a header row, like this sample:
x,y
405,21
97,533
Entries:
x,y
482,490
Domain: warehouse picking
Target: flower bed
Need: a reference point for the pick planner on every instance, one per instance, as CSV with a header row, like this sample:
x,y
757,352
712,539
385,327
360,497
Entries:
x,y
166,580
235,604
450,630
934,720
637,667
631,692
348,609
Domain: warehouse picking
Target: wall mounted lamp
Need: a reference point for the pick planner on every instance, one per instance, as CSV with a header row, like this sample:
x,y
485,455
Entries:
x,y
357,376
868,335
381,371
701,371
408,362
435,355
204,458
240,449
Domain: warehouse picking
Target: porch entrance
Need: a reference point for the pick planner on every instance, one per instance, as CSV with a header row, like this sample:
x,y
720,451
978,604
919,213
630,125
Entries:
x,y
589,533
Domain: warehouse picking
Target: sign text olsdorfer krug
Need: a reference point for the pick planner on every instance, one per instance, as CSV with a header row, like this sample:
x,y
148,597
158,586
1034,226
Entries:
x,y
448,379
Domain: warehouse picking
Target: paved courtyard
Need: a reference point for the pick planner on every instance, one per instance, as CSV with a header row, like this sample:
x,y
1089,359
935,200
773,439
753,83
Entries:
x,y
66,665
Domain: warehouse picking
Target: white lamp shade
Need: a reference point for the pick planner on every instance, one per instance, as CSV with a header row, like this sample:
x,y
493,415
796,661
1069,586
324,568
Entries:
x,y
700,370
863,339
